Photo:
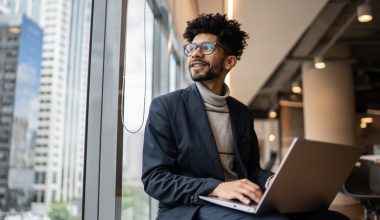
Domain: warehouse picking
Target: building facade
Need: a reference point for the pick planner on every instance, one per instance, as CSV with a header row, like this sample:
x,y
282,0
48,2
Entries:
x,y
62,112
75,106
48,158
57,159
30,8
20,59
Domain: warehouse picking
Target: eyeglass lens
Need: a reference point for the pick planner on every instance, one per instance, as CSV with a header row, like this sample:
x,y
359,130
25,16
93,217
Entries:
x,y
206,48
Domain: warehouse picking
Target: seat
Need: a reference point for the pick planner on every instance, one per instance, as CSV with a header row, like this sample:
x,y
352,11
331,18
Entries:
x,y
364,184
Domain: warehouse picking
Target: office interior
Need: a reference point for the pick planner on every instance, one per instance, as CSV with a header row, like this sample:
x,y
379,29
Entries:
x,y
311,70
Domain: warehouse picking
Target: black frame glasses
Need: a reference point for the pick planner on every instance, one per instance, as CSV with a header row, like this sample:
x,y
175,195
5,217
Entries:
x,y
206,48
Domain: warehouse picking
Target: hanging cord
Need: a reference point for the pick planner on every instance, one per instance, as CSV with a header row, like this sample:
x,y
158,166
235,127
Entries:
x,y
145,79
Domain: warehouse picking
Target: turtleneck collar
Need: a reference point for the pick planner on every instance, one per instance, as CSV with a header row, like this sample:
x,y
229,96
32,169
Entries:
x,y
211,98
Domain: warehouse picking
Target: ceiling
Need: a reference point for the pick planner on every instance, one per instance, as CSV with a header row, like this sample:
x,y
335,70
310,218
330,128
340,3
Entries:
x,y
274,28
363,39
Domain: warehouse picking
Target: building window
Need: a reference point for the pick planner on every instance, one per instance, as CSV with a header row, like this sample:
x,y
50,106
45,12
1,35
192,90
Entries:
x,y
54,180
39,177
39,196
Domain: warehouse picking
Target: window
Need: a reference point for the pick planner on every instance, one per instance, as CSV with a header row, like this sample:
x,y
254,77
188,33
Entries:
x,y
39,196
40,177
136,204
104,132
173,73
54,181
43,107
138,75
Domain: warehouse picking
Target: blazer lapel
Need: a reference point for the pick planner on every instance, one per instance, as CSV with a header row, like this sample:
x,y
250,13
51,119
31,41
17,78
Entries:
x,y
200,120
239,167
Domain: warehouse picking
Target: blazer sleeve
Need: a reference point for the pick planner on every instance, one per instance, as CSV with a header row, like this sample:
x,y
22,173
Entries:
x,y
161,176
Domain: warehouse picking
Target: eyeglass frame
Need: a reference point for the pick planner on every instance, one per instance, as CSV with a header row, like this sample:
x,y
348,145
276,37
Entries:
x,y
200,46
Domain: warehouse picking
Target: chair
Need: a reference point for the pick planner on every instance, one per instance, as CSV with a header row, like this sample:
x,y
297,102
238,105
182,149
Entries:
x,y
364,184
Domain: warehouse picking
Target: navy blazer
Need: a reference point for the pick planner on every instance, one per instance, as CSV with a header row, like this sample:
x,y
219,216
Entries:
x,y
180,156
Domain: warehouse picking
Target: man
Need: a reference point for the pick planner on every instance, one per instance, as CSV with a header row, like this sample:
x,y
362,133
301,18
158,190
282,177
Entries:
x,y
199,140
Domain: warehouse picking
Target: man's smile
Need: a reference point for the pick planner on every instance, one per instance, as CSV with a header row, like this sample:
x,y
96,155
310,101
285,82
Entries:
x,y
198,64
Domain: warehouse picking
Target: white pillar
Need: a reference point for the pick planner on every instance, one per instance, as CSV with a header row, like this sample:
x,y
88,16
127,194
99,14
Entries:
x,y
329,106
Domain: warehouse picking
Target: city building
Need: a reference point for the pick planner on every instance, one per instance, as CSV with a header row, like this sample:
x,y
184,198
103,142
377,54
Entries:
x,y
60,140
20,59
75,105
48,157
58,156
30,8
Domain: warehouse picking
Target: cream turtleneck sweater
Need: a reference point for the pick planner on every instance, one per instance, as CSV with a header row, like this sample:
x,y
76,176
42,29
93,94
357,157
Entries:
x,y
219,118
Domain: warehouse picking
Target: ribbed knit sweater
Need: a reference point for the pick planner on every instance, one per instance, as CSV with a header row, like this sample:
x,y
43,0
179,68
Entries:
x,y
219,118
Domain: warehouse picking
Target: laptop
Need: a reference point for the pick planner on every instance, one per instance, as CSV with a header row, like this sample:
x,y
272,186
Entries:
x,y
308,179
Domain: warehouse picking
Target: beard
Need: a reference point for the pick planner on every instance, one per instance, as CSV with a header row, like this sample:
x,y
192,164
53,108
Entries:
x,y
211,73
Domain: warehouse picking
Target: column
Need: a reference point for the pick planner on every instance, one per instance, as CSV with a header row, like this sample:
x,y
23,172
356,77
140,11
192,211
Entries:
x,y
329,106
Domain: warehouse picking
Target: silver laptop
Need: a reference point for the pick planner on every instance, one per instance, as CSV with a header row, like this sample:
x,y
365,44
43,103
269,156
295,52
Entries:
x,y
308,179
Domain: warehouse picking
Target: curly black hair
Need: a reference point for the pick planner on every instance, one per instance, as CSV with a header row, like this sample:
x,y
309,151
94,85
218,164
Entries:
x,y
228,32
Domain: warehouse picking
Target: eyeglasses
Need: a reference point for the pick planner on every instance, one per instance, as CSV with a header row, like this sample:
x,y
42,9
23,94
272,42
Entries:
x,y
206,48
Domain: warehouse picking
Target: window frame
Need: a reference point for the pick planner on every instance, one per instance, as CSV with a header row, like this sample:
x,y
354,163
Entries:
x,y
102,186
103,142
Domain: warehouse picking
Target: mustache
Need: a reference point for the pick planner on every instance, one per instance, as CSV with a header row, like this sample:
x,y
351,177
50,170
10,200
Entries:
x,y
198,61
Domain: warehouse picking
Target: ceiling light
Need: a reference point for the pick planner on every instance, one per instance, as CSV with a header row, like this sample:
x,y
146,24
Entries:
x,y
364,13
296,89
363,125
272,114
319,62
367,120
272,137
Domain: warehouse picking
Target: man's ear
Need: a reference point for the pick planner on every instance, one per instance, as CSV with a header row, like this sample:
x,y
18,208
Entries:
x,y
230,62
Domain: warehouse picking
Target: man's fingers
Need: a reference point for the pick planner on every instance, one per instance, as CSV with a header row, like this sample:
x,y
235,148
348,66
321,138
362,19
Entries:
x,y
242,198
254,195
250,190
243,190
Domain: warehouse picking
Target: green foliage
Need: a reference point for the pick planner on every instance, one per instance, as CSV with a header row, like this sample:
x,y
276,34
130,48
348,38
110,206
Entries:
x,y
60,212
135,203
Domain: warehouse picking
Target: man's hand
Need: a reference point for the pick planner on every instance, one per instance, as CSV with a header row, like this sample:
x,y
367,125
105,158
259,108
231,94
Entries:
x,y
243,190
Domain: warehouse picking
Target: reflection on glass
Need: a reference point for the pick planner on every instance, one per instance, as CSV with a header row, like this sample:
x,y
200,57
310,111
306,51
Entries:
x,y
173,73
21,46
43,84
135,203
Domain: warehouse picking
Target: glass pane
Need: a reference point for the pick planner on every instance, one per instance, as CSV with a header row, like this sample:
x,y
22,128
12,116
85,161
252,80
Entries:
x,y
139,48
173,73
44,54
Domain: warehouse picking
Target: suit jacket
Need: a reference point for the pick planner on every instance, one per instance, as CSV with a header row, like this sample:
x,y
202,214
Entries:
x,y
180,156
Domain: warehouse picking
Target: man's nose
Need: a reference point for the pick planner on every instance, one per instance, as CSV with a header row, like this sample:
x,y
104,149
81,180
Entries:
x,y
197,52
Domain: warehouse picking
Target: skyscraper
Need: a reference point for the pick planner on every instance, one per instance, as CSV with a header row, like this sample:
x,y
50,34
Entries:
x,y
30,8
58,155
75,106
48,159
20,58
62,102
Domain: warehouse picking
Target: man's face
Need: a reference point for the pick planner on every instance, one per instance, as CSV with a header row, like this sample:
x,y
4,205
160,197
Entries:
x,y
206,67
